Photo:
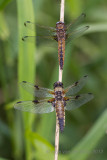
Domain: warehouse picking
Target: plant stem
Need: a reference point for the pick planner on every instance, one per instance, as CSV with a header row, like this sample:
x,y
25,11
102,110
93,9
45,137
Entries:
x,y
62,11
60,79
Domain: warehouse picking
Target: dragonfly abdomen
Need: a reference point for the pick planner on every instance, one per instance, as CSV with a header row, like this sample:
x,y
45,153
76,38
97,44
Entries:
x,y
60,113
61,52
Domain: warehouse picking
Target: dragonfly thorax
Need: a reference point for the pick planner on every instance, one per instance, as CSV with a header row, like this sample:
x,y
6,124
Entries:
x,y
58,95
60,30
58,90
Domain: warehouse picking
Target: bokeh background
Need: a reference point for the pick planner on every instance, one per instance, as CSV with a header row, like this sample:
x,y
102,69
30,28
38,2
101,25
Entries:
x,y
28,136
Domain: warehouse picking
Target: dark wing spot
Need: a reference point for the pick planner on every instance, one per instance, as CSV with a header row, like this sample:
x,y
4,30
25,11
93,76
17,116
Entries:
x,y
84,14
49,101
24,81
28,21
66,99
88,27
36,87
35,101
90,93
76,83
25,24
86,76
23,39
76,97
55,38
19,102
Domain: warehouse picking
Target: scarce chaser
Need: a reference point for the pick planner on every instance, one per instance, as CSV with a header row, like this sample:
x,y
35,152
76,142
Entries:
x,y
59,99
62,34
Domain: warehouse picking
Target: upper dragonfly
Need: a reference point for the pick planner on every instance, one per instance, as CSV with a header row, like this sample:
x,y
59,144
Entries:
x,y
59,99
62,34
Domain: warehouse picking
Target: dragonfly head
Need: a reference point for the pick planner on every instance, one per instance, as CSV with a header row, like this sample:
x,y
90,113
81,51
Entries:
x,y
58,84
60,25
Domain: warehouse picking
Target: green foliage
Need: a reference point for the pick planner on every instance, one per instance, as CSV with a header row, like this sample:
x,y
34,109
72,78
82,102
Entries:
x,y
29,136
4,3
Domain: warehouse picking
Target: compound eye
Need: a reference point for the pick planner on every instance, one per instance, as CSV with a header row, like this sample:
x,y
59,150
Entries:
x,y
57,23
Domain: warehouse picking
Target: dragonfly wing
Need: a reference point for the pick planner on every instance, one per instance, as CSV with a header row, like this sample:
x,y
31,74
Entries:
x,y
36,90
44,33
76,87
35,106
74,24
33,26
77,101
39,39
75,34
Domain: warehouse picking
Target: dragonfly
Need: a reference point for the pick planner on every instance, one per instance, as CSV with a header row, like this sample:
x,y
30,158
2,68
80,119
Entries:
x,y
58,99
62,34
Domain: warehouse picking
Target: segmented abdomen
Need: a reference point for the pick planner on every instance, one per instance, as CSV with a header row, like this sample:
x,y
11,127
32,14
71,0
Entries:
x,y
61,52
60,113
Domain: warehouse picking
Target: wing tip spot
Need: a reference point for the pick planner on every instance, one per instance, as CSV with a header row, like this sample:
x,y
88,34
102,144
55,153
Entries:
x,y
90,93
76,83
77,96
24,81
83,14
87,27
35,101
19,102
23,38
26,22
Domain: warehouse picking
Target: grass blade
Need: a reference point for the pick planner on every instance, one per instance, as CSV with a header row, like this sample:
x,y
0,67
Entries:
x,y
26,66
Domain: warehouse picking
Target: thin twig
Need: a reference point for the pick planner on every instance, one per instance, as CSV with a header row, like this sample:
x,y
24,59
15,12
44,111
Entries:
x,y
60,74
62,11
60,79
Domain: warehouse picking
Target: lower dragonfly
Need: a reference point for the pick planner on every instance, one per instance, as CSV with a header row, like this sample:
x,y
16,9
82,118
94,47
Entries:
x,y
59,99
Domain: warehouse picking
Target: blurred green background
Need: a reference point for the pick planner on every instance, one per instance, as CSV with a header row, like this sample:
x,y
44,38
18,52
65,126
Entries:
x,y
28,136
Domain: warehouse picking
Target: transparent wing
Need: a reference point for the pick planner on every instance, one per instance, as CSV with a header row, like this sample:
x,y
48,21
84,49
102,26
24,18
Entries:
x,y
36,90
76,87
35,106
44,33
77,101
75,34
74,24
33,26
40,39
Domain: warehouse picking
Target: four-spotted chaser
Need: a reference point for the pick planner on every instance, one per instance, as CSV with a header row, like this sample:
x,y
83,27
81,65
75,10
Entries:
x,y
59,99
62,34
